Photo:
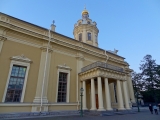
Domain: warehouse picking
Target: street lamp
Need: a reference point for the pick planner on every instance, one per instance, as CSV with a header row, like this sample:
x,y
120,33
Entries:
x,y
81,90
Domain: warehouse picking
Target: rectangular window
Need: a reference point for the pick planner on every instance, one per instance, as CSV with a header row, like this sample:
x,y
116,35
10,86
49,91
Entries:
x,y
89,36
80,37
62,87
15,85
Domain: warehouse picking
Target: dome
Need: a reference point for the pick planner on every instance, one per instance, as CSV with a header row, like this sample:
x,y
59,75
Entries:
x,y
85,12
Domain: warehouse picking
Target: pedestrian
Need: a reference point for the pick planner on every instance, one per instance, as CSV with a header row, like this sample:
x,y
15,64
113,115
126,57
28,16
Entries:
x,y
155,109
151,108
159,106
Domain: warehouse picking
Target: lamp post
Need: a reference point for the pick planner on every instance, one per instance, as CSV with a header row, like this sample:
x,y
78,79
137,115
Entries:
x,y
81,90
137,96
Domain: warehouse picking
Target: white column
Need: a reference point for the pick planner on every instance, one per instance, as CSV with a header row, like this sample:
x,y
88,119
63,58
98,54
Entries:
x,y
84,96
131,91
107,93
119,96
125,95
100,96
93,102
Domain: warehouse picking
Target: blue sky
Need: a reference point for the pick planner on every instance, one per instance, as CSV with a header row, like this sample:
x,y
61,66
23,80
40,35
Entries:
x,y
131,26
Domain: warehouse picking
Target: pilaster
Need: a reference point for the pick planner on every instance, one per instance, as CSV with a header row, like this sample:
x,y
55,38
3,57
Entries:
x,y
37,98
84,36
2,39
80,60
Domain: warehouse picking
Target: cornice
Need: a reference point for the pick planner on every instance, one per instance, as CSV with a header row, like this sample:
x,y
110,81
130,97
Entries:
x,y
80,57
22,30
100,72
78,48
86,27
57,41
116,61
64,67
44,49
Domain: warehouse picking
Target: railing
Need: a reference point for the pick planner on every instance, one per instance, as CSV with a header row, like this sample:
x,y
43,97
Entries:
x,y
103,65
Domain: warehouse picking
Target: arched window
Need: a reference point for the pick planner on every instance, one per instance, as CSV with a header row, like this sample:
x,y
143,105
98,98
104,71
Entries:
x,y
89,36
80,37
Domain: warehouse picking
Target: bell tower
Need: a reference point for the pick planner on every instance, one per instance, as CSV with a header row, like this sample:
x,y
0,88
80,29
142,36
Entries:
x,y
85,30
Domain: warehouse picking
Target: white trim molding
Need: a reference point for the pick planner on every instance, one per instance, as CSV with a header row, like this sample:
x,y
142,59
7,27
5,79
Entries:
x,y
65,69
22,61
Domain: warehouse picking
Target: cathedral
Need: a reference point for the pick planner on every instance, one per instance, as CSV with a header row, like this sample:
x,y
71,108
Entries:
x,y
42,70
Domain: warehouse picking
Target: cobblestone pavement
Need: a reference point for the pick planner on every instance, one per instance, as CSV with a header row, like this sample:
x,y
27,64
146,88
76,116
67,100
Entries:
x,y
144,115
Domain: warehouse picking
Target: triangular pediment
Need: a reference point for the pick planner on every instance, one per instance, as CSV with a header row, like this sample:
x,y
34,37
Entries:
x,y
21,58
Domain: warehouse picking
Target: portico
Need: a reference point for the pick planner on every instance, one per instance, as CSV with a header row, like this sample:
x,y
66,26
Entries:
x,y
97,80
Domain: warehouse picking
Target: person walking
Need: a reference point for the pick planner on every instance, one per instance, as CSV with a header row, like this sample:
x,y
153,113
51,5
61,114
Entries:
x,y
151,108
159,106
155,109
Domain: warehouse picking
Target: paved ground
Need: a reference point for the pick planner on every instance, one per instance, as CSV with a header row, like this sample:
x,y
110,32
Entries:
x,y
143,115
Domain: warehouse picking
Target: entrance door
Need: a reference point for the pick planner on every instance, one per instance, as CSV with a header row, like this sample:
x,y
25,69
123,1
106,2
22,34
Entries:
x,y
97,105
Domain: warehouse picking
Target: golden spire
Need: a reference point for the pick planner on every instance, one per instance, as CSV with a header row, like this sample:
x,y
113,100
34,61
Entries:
x,y
84,12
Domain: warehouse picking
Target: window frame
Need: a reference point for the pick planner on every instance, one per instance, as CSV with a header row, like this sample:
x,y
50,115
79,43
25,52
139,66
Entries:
x,y
88,36
63,69
18,63
79,37
61,88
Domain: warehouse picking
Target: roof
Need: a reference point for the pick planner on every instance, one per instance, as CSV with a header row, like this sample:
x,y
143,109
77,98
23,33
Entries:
x,y
60,34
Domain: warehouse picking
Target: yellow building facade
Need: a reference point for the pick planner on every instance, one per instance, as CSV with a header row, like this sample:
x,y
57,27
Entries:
x,y
42,70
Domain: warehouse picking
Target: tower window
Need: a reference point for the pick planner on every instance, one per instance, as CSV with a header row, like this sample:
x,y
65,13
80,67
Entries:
x,y
80,37
89,36
88,22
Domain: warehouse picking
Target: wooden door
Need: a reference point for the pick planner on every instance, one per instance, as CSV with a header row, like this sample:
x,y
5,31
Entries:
x,y
97,105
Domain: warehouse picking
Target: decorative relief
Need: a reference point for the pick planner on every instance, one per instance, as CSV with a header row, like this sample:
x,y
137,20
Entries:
x,y
21,58
2,38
